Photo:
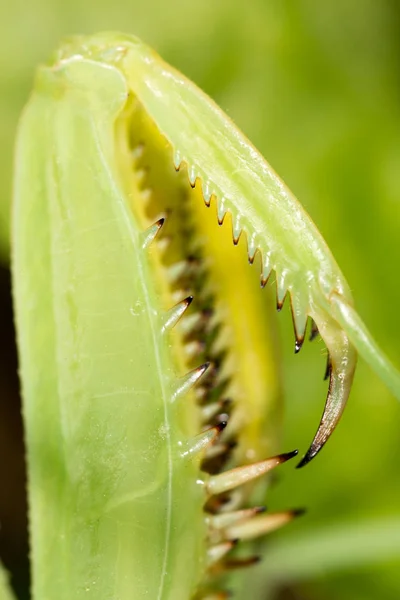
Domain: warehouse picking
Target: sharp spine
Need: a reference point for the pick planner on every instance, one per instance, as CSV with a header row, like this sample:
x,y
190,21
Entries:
x,y
137,152
221,211
240,563
140,174
202,441
215,451
189,380
162,245
298,345
299,317
236,230
281,290
215,553
207,193
251,248
192,176
146,195
189,323
177,160
209,411
225,502
176,312
253,528
266,270
176,271
229,480
193,349
150,233
223,520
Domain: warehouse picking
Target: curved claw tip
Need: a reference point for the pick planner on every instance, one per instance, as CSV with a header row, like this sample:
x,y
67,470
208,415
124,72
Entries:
x,y
342,359
312,452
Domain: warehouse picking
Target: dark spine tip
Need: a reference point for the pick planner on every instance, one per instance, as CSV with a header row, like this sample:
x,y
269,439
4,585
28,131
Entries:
x,y
287,455
298,512
312,452
160,222
298,345
258,510
237,563
203,368
220,426
188,301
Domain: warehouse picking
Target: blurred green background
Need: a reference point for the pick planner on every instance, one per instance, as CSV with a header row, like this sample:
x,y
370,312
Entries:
x,y
316,86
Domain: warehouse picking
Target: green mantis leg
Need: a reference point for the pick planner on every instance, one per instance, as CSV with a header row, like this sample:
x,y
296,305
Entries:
x,y
365,344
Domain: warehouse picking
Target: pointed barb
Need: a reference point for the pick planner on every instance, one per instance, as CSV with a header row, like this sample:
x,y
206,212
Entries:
x,y
137,152
215,451
251,249
215,553
240,475
259,526
192,176
140,175
241,563
189,380
266,270
264,278
201,442
163,244
177,160
195,348
176,271
298,345
281,290
279,303
149,235
209,411
175,313
146,195
207,193
227,519
299,317
236,231
190,323
221,211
